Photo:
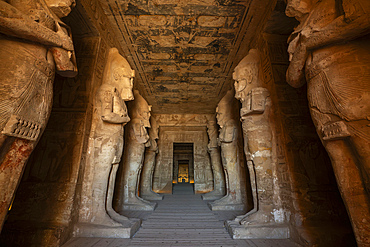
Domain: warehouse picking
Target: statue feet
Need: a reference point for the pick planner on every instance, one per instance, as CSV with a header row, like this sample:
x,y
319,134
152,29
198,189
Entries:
x,y
259,224
253,217
137,203
226,203
151,195
117,217
105,220
213,195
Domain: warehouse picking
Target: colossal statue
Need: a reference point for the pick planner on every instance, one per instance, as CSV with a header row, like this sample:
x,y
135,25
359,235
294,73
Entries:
x,y
34,43
105,148
256,104
217,169
146,182
235,198
137,139
331,49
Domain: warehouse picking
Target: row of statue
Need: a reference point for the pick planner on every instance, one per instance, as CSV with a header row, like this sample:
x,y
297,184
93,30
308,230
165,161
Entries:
x,y
329,50
104,189
257,136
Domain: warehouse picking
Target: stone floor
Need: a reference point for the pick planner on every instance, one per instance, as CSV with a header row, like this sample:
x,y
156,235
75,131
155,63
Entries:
x,y
181,219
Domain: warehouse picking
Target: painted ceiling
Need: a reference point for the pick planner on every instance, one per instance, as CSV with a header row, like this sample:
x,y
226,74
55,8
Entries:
x,y
184,51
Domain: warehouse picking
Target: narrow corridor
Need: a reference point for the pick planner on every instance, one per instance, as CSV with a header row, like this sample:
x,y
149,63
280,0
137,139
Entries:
x,y
181,219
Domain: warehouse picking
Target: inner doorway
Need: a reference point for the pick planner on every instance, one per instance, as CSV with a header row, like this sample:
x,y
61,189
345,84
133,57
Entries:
x,y
183,162
183,174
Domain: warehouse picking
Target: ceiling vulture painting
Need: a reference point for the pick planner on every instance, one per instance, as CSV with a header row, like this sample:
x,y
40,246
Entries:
x,y
184,52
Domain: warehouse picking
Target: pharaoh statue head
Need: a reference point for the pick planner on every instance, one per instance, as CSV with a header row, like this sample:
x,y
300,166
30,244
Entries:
x,y
153,131
224,110
246,74
212,130
61,8
141,109
118,73
298,8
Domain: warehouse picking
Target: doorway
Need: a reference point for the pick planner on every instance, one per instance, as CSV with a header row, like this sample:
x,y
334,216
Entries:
x,y
183,174
183,162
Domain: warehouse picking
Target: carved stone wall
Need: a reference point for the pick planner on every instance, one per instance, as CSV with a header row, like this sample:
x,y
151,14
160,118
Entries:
x,y
187,128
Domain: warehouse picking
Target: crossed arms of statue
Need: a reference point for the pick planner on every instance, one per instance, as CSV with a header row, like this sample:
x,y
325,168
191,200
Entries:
x,y
353,22
15,23
113,107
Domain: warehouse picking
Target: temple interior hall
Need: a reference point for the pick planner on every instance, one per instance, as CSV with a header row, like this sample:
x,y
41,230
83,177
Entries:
x,y
185,123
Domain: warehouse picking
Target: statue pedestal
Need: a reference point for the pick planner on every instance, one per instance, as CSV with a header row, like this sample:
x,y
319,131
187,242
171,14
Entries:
x,y
127,230
140,204
268,231
216,206
152,197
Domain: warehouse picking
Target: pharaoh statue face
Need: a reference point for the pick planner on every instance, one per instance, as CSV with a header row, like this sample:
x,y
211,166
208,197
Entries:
x,y
224,110
119,73
145,113
298,8
246,74
141,109
221,115
153,132
242,77
61,8
125,84
211,128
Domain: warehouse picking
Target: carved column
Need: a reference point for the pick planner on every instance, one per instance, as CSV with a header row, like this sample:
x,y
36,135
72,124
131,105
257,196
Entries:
x,y
235,198
32,47
331,48
256,104
146,182
217,169
137,138
98,219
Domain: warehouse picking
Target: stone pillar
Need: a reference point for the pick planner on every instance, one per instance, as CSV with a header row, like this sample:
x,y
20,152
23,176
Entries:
x,y
146,182
255,112
331,48
105,149
30,53
137,139
217,169
235,198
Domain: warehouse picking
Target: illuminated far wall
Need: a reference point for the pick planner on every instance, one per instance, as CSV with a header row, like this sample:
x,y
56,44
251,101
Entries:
x,y
163,173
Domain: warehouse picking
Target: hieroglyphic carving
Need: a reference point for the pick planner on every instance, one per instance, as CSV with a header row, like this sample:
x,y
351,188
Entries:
x,y
330,47
182,119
